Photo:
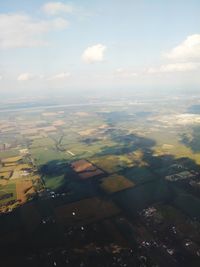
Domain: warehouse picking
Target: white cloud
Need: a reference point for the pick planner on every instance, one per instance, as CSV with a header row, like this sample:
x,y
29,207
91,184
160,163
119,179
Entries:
x,y
60,76
18,30
94,53
120,72
187,50
174,67
26,77
55,8
30,76
1,77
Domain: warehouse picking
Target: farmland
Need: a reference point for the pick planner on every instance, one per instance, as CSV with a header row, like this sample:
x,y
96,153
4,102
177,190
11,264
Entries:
x,y
81,177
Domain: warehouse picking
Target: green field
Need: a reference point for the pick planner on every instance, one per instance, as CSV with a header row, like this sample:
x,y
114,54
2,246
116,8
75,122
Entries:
x,y
54,182
7,189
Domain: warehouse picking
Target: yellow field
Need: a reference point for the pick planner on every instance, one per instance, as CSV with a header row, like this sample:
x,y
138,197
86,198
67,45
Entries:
x,y
22,187
10,164
115,183
11,159
7,169
5,175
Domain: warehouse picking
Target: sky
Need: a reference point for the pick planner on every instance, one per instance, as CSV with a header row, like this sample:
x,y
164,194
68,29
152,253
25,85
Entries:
x,y
90,44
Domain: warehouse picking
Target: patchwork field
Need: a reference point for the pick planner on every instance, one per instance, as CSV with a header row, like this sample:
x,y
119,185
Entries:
x,y
81,178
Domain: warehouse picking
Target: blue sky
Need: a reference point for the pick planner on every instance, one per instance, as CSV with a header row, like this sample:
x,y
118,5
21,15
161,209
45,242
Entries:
x,y
99,44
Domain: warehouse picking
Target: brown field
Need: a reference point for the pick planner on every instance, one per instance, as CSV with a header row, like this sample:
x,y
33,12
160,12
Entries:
x,y
21,189
82,165
90,174
85,211
48,129
3,182
115,183
85,169
58,123
11,159
82,114
87,132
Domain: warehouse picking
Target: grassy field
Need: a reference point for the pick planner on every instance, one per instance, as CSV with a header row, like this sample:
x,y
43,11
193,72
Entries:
x,y
8,189
42,156
9,153
54,182
169,143
44,142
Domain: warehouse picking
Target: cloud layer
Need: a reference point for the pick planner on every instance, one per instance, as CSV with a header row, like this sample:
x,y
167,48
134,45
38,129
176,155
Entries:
x,y
59,76
25,77
30,76
175,67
